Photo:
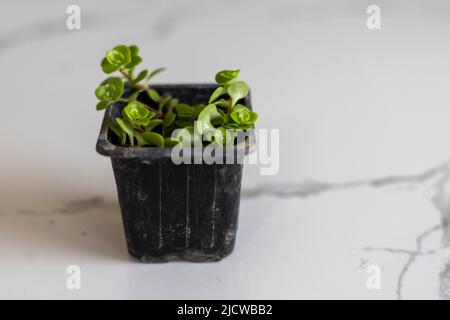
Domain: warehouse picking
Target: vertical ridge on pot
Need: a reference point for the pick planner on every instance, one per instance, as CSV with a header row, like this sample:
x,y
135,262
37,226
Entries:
x,y
193,198
213,209
160,233
174,196
150,174
137,188
187,227
229,178
204,205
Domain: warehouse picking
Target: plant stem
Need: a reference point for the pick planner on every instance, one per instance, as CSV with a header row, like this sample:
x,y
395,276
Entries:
x,y
126,74
230,106
139,86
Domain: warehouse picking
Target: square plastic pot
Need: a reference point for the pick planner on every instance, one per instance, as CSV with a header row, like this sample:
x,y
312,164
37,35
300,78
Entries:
x,y
175,212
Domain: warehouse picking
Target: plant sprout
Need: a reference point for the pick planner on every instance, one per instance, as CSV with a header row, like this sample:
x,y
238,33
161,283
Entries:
x,y
142,125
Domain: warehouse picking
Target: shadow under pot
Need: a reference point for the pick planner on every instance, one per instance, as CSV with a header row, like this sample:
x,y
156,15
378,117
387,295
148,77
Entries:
x,y
186,212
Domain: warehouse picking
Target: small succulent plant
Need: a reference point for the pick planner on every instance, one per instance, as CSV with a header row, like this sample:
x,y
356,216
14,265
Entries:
x,y
140,124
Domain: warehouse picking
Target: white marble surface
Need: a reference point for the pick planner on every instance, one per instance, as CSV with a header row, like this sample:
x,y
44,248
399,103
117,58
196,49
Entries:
x,y
364,172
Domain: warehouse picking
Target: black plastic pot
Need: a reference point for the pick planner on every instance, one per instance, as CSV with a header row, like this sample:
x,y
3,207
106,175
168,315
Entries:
x,y
175,212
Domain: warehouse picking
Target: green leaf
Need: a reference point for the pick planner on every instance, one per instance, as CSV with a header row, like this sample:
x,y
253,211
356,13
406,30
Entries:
x,y
126,127
164,101
135,94
110,90
185,111
139,138
168,120
237,90
182,123
116,129
216,94
154,139
102,105
152,124
238,126
135,58
226,76
119,55
137,113
222,103
198,108
100,92
128,84
134,50
171,142
173,103
253,117
240,118
155,72
141,76
206,118
108,67
154,95
243,115
117,85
